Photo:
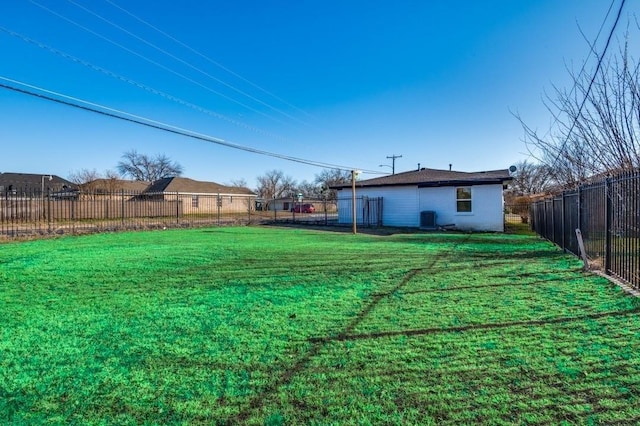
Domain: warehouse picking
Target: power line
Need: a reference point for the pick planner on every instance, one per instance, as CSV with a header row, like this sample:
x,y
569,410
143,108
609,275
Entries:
x,y
584,64
136,119
154,62
135,83
182,61
202,55
595,74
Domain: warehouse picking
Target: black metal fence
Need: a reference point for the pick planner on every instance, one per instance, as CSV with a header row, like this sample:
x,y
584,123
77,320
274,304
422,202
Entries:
x,y
36,214
608,216
368,211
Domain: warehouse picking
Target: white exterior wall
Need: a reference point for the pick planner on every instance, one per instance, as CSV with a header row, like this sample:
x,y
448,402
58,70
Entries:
x,y
399,205
402,206
486,206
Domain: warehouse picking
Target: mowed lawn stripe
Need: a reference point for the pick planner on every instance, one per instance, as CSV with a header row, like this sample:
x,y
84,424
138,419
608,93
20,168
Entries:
x,y
277,326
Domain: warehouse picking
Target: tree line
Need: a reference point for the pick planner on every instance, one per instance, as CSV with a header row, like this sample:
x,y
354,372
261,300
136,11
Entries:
x,y
272,184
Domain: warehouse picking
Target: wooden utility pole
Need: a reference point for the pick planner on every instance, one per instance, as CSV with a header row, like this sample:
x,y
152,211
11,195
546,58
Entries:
x,y
393,162
354,174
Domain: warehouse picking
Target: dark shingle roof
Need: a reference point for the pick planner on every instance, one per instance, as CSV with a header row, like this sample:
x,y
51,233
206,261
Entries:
x,y
433,177
31,182
180,184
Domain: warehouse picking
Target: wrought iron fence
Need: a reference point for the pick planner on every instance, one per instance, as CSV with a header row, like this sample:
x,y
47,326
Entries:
x,y
24,214
27,214
607,213
368,211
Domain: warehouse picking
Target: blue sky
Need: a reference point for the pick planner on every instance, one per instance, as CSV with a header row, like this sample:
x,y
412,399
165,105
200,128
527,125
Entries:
x,y
337,82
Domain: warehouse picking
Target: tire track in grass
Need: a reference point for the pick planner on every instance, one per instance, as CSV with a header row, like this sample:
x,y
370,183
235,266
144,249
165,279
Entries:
x,y
495,326
268,395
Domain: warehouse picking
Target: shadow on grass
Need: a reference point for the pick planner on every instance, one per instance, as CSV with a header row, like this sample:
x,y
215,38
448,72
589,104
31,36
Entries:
x,y
474,287
471,327
271,390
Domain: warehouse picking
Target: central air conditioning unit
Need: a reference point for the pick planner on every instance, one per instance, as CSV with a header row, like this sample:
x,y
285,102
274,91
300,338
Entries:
x,y
428,219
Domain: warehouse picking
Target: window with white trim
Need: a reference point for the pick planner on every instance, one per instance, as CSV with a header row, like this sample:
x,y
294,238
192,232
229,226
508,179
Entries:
x,y
463,199
194,201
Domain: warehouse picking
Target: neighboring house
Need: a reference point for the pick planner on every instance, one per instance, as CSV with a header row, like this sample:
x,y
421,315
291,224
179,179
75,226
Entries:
x,y
33,185
112,188
201,197
432,198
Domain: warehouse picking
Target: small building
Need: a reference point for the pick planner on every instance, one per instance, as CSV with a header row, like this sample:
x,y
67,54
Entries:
x,y
431,198
198,197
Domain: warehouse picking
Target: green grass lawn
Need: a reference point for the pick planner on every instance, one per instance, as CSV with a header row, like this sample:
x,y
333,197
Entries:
x,y
288,326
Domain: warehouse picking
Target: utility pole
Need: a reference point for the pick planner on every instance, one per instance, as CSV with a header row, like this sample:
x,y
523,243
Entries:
x,y
354,175
393,162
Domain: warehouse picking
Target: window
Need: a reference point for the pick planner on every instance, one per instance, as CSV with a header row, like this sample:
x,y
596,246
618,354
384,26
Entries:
x,y
285,205
194,201
463,199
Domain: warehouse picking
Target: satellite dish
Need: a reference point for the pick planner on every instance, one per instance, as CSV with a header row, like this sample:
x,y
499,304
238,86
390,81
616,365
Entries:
x,y
512,169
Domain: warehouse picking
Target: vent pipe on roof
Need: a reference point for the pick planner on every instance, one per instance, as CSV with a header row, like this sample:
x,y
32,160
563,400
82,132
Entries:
x,y
418,166
450,166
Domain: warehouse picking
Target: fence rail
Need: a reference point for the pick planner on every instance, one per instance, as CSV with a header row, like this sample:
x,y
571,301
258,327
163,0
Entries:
x,y
607,213
26,215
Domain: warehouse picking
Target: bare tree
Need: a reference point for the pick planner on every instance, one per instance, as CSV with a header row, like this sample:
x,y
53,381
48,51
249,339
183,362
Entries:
x,y
329,177
597,128
85,179
309,189
529,179
274,184
240,183
145,168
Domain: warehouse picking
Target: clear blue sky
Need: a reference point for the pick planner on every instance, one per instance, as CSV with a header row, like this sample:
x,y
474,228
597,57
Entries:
x,y
354,81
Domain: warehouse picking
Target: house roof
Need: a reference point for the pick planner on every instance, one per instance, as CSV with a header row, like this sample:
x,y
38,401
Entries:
x,y
186,185
433,177
32,182
108,185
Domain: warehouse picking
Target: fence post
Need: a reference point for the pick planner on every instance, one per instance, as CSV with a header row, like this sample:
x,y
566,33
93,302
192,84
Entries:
x,y
562,223
293,203
607,225
122,207
580,207
553,220
219,204
177,207
326,219
49,210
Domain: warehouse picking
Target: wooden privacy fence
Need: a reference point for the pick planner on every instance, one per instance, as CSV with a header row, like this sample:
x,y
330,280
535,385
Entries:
x,y
34,209
73,212
607,212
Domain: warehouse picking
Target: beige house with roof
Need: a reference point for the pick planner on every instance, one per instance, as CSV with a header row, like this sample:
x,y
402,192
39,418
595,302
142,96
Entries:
x,y
198,197
112,189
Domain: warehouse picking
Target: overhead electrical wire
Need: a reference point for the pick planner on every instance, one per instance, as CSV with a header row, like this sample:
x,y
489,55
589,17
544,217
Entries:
x,y
156,63
186,63
593,78
82,104
584,64
135,83
207,58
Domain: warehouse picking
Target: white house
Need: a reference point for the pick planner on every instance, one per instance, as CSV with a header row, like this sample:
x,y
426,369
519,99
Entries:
x,y
431,198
